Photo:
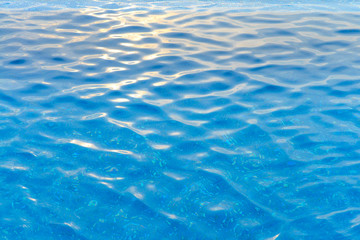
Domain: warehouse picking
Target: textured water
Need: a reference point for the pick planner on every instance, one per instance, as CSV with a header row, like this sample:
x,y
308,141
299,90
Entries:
x,y
155,123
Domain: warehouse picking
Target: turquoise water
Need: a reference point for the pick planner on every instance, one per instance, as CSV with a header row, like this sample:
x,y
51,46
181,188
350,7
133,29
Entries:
x,y
158,122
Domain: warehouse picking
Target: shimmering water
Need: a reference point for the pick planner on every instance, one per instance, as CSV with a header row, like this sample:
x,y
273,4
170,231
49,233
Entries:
x,y
152,123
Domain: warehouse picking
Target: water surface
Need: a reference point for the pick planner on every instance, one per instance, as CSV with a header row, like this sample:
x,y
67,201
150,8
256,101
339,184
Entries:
x,y
155,123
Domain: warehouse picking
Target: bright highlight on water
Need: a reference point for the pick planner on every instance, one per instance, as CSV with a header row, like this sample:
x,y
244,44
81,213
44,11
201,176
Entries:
x,y
159,121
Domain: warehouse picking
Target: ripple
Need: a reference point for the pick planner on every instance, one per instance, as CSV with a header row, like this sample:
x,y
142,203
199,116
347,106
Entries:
x,y
149,121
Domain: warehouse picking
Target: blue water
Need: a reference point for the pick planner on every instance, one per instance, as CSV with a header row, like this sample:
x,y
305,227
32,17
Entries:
x,y
170,123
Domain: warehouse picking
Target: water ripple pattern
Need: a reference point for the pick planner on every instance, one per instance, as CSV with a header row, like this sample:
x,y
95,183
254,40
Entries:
x,y
179,124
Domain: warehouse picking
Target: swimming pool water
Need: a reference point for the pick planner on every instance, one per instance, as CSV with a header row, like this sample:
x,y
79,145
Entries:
x,y
155,123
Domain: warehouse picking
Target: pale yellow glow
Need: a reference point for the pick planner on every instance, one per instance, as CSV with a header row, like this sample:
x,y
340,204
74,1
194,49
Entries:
x,y
119,100
139,94
115,69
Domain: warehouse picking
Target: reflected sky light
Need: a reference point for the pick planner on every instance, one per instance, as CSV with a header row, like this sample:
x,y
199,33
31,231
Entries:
x,y
224,123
